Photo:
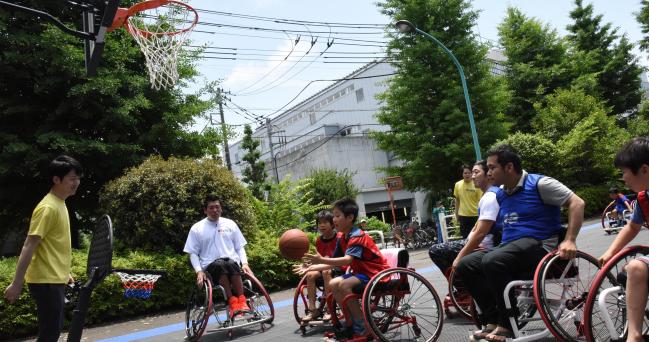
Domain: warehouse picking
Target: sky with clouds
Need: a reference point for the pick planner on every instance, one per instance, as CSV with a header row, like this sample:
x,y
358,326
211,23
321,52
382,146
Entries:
x,y
270,68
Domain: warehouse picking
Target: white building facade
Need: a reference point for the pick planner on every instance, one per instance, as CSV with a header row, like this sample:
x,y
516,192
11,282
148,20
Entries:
x,y
330,130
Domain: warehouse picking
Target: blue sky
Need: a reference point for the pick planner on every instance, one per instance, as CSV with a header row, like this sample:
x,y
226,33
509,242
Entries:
x,y
262,81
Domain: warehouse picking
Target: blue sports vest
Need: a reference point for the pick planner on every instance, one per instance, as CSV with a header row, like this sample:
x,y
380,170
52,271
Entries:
x,y
525,215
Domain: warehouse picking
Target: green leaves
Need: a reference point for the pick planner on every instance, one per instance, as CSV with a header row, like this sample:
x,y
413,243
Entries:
x,y
254,173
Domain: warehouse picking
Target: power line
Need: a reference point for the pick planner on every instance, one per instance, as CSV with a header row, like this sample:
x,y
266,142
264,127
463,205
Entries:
x,y
383,44
289,21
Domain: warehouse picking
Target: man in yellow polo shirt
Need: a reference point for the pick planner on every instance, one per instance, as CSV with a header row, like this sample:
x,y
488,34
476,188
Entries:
x,y
45,259
467,196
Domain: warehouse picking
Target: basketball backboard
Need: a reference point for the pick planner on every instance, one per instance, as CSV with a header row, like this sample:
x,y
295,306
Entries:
x,y
100,255
96,15
96,21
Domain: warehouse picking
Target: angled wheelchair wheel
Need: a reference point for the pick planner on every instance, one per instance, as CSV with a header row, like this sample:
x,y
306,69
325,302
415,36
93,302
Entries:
x,y
300,301
401,305
199,309
605,220
460,296
258,300
605,309
560,291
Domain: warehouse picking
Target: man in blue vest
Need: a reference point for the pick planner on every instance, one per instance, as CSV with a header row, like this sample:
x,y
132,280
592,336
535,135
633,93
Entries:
x,y
530,206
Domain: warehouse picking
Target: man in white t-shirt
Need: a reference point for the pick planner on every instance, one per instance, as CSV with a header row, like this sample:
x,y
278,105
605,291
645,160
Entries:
x,y
215,245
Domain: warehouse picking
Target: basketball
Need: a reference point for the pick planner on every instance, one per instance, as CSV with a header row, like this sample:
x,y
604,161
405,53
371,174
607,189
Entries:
x,y
293,244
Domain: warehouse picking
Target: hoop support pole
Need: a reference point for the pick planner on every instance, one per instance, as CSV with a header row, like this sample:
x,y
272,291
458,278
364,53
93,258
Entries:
x,y
50,18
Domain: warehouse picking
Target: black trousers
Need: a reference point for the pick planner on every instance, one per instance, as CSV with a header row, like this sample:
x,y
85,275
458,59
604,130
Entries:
x,y
487,273
466,224
49,300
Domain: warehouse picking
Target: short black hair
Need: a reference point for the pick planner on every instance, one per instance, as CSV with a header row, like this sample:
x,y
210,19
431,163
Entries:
x,y
633,154
62,165
506,154
324,215
211,198
613,190
465,167
347,206
483,165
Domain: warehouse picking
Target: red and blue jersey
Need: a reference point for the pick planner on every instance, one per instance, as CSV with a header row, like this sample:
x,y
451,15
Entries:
x,y
368,259
326,247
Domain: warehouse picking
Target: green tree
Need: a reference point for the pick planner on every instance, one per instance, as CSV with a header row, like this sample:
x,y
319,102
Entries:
x,y
534,66
643,18
288,206
111,122
327,186
586,137
254,174
614,65
539,154
424,104
154,205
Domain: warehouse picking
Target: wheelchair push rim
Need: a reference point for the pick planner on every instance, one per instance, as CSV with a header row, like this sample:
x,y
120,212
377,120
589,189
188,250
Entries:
x,y
198,311
560,292
599,325
408,308
460,296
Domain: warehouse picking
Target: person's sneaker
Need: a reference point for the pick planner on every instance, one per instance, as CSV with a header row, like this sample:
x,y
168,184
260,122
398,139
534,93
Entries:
x,y
233,305
243,305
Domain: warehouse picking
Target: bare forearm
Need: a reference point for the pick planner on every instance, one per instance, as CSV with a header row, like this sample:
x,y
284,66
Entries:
x,y
626,235
25,258
475,238
343,261
575,217
320,267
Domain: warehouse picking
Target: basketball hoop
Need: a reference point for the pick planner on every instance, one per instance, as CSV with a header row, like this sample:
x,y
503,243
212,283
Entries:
x,y
138,283
160,27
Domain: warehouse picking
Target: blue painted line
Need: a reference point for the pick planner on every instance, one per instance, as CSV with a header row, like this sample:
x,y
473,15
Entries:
x,y
278,305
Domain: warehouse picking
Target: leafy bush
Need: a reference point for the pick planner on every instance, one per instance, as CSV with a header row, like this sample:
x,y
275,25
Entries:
x,y
328,186
539,154
596,198
374,223
288,206
155,204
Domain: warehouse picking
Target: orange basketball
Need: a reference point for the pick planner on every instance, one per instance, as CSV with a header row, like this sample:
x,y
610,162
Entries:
x,y
293,244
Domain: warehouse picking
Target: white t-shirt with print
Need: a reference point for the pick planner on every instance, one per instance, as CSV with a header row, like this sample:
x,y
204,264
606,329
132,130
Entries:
x,y
213,240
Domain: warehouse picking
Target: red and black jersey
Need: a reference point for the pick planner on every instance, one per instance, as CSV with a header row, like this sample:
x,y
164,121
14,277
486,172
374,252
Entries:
x,y
326,247
368,259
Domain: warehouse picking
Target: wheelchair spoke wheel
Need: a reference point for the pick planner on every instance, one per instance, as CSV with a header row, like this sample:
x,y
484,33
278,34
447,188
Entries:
x,y
460,296
560,291
605,309
300,301
401,305
199,308
258,299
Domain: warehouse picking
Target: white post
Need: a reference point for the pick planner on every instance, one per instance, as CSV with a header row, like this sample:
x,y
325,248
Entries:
x,y
441,217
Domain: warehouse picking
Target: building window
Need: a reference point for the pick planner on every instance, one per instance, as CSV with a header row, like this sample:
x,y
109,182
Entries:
x,y
312,118
359,95
236,157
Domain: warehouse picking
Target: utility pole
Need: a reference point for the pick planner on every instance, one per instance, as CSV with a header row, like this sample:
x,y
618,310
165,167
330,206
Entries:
x,y
269,130
226,149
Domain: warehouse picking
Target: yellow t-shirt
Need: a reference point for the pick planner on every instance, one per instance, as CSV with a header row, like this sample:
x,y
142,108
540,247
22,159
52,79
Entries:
x,y
469,197
51,261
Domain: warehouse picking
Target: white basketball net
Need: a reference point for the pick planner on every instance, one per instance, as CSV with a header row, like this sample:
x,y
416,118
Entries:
x,y
161,32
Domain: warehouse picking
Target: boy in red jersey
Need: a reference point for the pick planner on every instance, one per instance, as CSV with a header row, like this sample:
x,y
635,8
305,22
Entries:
x,y
325,244
356,250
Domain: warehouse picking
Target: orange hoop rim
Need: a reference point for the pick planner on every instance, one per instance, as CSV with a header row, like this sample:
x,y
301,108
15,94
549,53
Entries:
x,y
121,18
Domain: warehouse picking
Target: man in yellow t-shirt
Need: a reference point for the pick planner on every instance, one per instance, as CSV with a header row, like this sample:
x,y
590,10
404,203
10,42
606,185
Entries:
x,y
467,196
46,256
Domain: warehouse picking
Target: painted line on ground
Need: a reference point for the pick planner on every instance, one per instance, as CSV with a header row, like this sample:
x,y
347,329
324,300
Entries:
x,y
171,328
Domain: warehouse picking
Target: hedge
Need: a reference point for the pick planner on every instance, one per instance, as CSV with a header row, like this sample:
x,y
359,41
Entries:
x,y
108,302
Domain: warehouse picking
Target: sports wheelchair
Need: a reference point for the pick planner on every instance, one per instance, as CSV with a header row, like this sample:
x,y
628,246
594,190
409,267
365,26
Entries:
x,y
611,225
210,299
605,308
556,296
398,304
301,307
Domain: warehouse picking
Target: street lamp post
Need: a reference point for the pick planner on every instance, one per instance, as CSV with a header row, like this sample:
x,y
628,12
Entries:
x,y
406,26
